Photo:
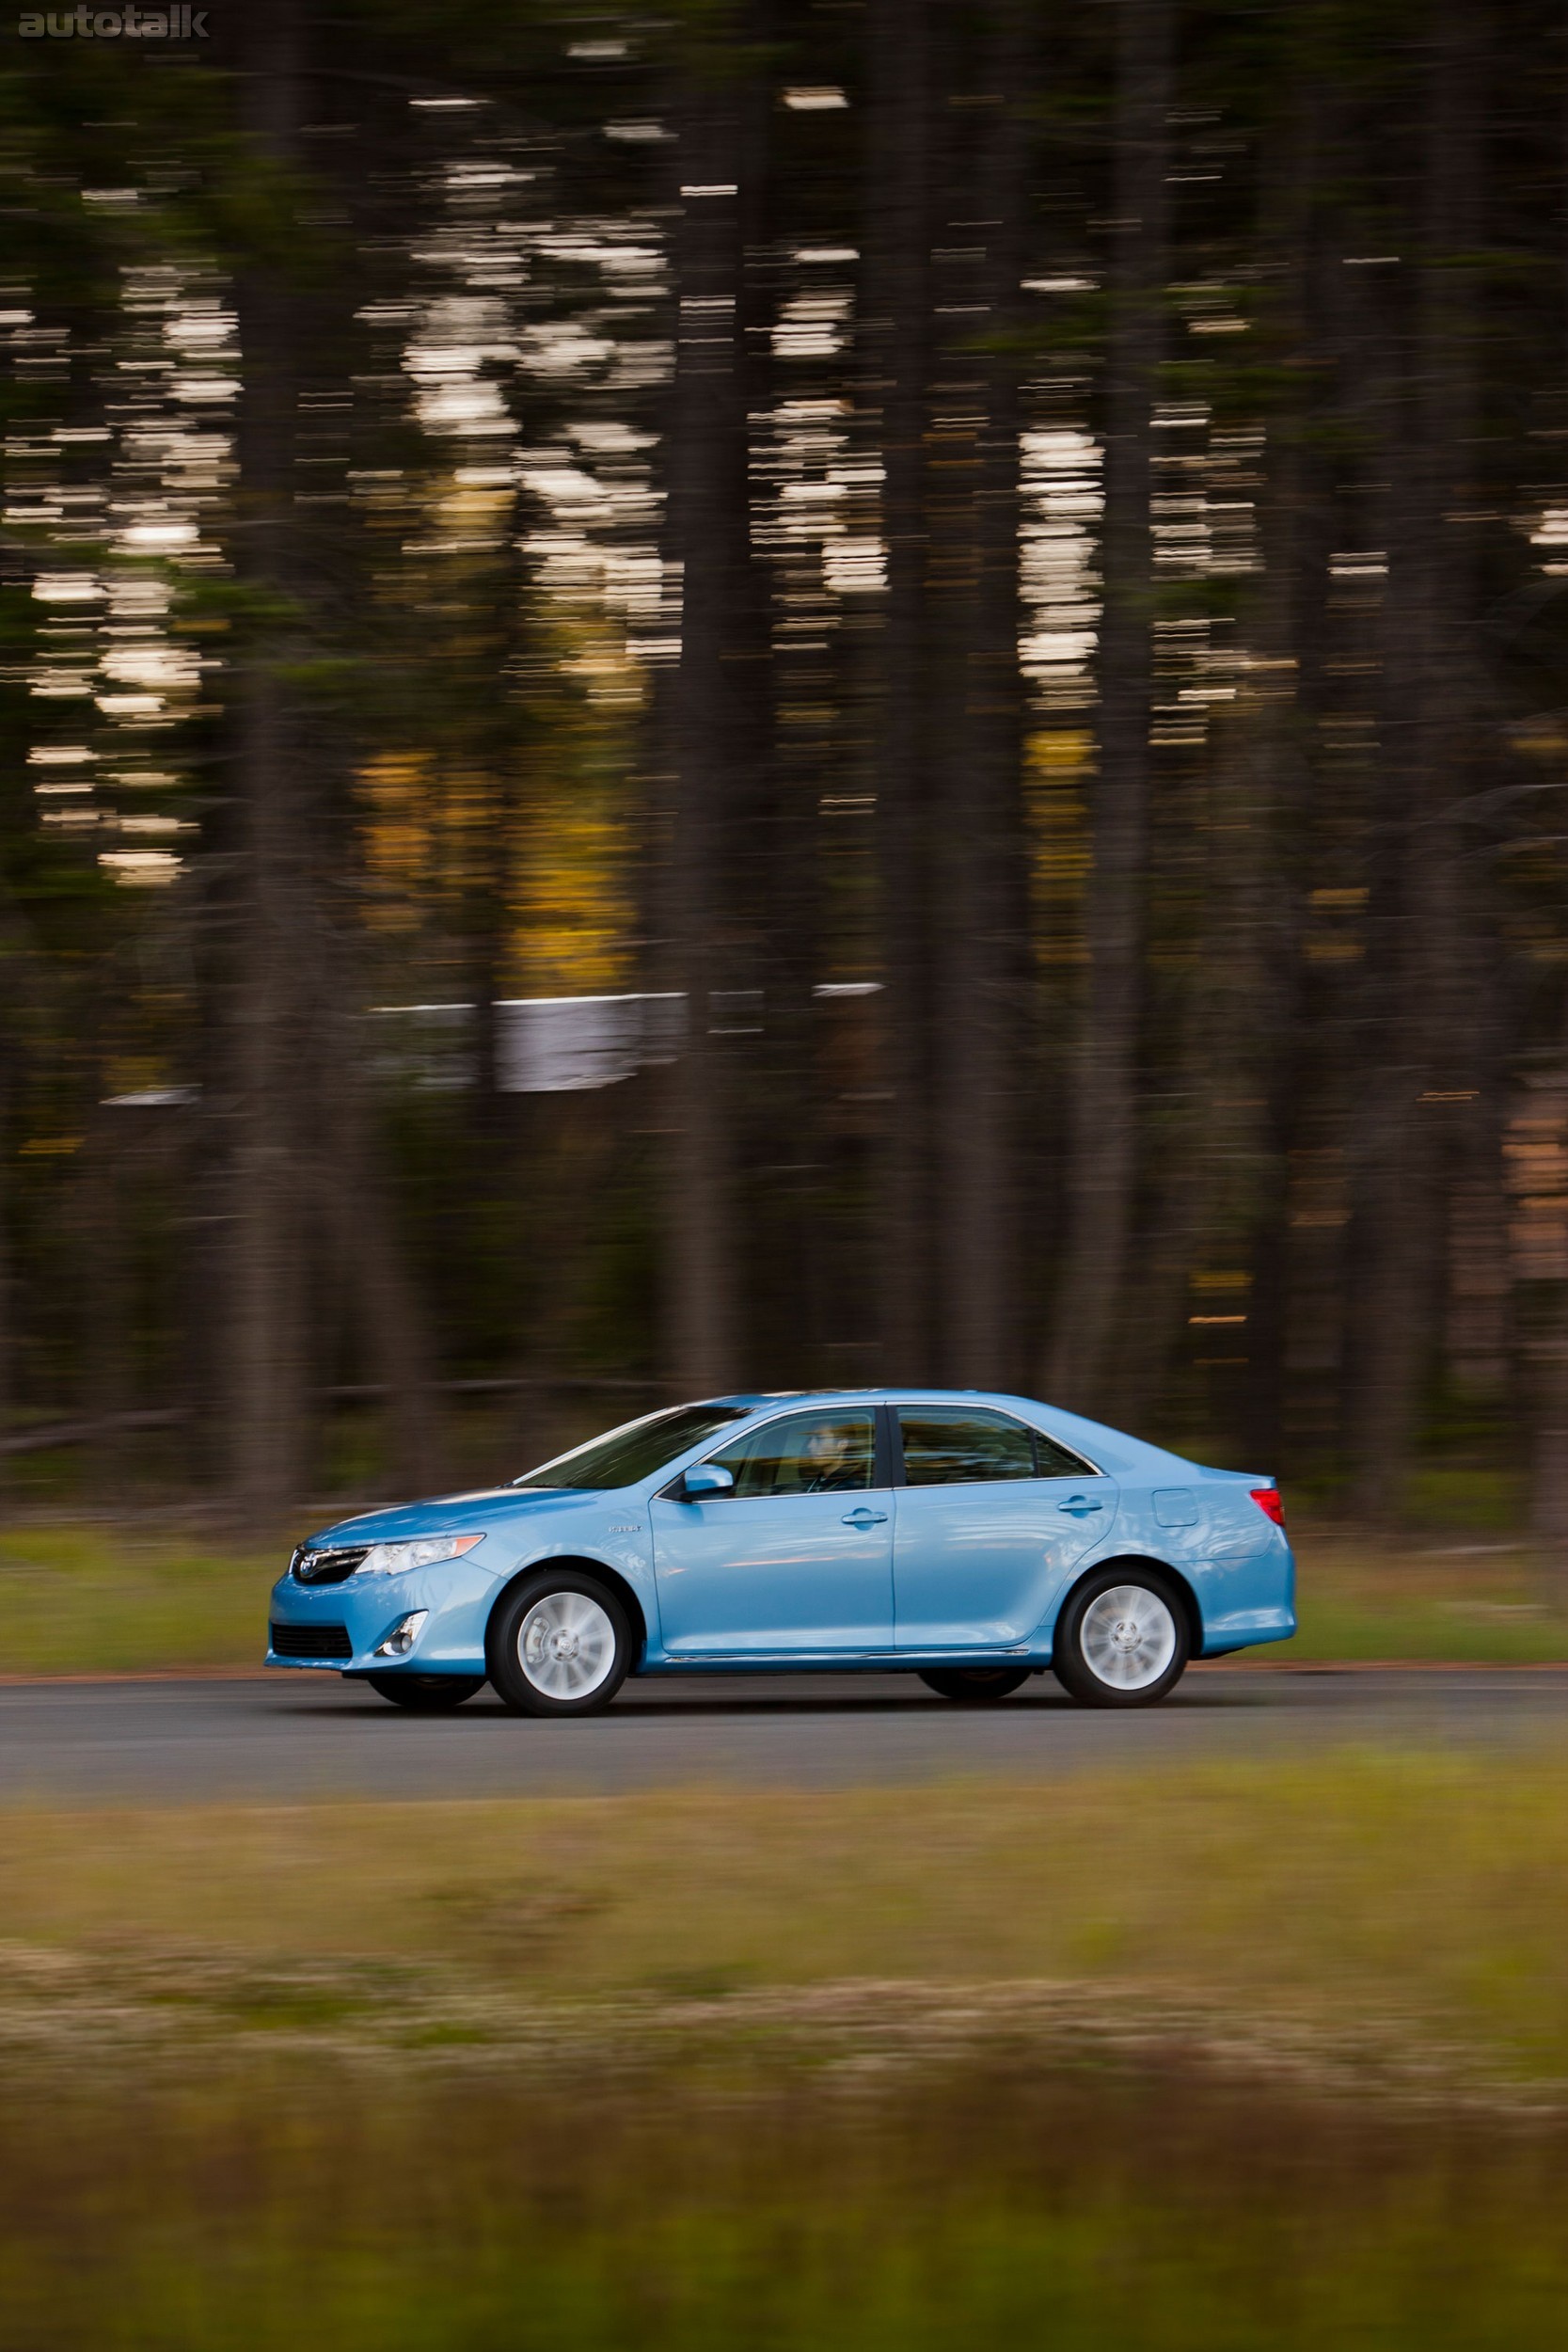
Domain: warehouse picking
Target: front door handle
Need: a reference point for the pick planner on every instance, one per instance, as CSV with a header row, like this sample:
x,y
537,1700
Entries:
x,y
862,1518
1079,1505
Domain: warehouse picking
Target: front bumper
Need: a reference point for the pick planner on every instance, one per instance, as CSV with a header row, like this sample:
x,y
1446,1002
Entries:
x,y
455,1594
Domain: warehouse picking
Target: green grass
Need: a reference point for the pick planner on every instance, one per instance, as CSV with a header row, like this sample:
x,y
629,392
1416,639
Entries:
x,y
1411,1903
1232,2061
1085,2213
1445,1601
84,1597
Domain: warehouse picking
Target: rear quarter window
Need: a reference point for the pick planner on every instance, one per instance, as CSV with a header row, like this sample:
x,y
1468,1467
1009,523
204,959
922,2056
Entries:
x,y
959,1445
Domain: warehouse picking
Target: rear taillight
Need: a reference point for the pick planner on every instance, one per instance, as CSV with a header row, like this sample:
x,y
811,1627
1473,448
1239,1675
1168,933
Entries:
x,y
1267,1502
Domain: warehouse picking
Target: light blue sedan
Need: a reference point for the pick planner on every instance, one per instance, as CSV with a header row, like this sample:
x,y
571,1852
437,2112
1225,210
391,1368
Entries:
x,y
971,1539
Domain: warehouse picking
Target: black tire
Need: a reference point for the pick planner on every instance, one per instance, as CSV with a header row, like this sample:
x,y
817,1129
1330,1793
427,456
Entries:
x,y
585,1610
426,1694
1155,1643
975,1685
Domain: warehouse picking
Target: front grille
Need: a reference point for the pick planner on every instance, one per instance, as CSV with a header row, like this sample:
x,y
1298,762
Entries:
x,y
327,1567
312,1641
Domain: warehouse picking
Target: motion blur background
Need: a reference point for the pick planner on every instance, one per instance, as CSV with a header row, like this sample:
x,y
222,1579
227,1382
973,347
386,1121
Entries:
x,y
760,694
763,692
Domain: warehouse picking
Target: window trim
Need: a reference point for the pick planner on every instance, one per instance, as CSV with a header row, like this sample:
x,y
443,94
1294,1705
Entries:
x,y
898,1406
883,1458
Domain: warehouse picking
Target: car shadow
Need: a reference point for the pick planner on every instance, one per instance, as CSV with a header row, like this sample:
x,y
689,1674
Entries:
x,y
693,1707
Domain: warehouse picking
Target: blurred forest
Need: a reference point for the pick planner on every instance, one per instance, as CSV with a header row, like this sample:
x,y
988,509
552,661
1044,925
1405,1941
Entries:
x,y
764,691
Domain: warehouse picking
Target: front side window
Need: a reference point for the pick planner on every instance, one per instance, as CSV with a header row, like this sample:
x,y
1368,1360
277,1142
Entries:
x,y
804,1453
960,1445
638,1450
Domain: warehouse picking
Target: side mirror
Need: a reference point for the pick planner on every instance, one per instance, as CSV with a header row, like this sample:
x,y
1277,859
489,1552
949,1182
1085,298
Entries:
x,y
707,1479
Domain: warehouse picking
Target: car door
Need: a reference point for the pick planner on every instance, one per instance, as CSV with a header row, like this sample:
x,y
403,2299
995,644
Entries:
x,y
798,1560
990,1519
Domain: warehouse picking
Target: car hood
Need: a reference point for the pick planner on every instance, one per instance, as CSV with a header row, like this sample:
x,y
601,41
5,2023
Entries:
x,y
491,1508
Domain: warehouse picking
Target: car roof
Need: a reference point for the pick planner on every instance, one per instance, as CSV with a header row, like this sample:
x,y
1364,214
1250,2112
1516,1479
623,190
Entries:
x,y
875,1392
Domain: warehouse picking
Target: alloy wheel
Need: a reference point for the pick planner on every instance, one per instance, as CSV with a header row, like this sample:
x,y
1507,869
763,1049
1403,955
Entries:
x,y
1128,1637
566,1646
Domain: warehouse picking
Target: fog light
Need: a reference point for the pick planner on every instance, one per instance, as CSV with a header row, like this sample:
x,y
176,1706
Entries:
x,y
402,1636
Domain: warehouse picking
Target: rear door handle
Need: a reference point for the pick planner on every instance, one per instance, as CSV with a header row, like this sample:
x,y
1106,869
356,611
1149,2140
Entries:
x,y
1079,1505
863,1518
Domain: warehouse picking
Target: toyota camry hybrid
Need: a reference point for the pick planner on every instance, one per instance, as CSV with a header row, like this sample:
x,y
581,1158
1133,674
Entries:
x,y
973,1540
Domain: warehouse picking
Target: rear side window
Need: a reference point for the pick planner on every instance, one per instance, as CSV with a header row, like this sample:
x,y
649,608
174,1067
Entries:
x,y
959,1445
803,1453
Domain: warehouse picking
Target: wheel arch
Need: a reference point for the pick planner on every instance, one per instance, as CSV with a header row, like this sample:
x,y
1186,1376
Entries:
x,y
600,1569
1142,1559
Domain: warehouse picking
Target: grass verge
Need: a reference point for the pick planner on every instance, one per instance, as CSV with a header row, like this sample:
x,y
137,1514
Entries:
x,y
1099,2064
93,1598
1445,1602
1416,1905
1089,2210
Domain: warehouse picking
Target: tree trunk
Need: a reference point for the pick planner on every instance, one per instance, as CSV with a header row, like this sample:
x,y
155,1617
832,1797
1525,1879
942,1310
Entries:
x,y
980,820
1104,1111
395,1341
8,1329
1285,696
1426,1002
101,1209
1549,1480
896,340
275,926
1549,1435
708,506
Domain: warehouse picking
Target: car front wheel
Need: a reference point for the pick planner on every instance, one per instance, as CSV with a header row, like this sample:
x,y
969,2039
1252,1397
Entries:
x,y
1122,1640
426,1694
977,1685
560,1645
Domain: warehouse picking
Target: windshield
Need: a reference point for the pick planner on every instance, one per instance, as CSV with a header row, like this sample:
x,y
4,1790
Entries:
x,y
638,1450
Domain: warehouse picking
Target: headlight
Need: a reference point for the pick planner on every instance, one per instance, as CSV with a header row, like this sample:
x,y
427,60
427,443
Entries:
x,y
397,1558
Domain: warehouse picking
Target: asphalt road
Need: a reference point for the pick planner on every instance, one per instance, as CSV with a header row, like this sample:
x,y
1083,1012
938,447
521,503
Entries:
x,y
292,1736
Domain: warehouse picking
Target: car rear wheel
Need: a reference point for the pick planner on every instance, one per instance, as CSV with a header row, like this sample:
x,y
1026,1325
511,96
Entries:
x,y
1122,1639
560,1646
977,1685
426,1694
